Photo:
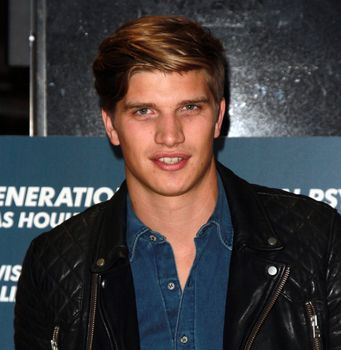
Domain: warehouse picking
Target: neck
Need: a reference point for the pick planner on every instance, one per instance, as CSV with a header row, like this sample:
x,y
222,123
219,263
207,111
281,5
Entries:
x,y
177,217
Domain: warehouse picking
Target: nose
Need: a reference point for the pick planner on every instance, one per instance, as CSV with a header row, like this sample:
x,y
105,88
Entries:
x,y
169,130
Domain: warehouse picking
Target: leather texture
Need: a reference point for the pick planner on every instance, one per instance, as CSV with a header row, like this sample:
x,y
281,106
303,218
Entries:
x,y
286,253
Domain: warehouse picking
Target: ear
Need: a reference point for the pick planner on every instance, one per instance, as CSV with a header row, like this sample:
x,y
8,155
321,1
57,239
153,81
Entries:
x,y
109,128
220,117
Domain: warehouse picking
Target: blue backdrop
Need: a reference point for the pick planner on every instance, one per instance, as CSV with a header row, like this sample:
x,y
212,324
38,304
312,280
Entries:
x,y
45,180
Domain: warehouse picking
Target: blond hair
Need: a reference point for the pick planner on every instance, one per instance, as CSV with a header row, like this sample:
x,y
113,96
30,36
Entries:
x,y
164,43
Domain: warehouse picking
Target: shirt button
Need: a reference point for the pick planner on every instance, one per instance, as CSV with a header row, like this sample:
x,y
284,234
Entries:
x,y
171,285
152,238
184,339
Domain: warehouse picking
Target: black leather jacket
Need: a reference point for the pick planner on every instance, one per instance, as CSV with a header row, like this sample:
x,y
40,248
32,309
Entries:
x,y
284,289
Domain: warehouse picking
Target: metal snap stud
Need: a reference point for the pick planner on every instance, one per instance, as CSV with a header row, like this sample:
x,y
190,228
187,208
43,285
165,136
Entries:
x,y
152,238
272,241
100,262
184,339
272,270
171,285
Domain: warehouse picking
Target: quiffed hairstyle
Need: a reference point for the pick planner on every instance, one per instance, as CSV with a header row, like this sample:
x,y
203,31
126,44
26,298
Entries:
x,y
164,43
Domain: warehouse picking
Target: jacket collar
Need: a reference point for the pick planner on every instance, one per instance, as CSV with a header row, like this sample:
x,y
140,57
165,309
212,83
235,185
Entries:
x,y
251,225
111,247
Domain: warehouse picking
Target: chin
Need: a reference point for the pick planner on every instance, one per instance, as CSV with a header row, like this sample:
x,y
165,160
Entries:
x,y
171,190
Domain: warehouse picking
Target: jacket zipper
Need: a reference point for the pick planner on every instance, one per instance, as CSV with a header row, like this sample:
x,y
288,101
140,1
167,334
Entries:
x,y
314,325
54,340
267,309
92,312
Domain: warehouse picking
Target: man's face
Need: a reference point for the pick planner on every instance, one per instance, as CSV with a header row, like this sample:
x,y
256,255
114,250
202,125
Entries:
x,y
165,125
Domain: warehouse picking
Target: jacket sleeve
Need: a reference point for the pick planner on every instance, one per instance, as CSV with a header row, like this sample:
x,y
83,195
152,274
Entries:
x,y
31,327
334,285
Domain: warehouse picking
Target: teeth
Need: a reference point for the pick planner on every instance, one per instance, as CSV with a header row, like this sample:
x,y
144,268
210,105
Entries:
x,y
170,160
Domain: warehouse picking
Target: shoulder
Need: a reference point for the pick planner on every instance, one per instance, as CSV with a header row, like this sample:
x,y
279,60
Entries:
x,y
67,248
298,217
56,265
273,199
74,230
289,214
282,201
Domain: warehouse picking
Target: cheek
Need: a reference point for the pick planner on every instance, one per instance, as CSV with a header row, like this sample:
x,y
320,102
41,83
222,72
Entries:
x,y
132,141
204,132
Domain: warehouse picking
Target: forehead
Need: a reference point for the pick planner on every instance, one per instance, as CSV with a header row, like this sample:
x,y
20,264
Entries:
x,y
157,85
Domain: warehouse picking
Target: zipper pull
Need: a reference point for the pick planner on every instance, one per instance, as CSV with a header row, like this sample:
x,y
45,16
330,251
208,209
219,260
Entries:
x,y
315,326
54,345
54,340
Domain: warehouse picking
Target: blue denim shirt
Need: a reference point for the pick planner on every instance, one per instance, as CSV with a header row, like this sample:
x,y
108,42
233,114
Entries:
x,y
168,317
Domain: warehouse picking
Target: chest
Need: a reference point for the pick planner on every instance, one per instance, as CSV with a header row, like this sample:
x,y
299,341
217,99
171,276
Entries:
x,y
177,293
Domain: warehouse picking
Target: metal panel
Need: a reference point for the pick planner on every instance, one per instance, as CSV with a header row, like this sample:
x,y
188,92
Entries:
x,y
285,61
38,65
18,32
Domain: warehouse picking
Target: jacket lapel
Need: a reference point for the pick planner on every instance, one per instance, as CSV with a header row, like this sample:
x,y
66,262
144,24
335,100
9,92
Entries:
x,y
250,285
116,295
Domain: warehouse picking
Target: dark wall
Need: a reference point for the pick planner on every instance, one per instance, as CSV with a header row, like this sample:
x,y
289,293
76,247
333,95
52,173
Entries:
x,y
285,59
14,71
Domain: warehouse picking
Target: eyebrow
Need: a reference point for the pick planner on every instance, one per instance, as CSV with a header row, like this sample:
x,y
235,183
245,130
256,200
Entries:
x,y
135,105
194,101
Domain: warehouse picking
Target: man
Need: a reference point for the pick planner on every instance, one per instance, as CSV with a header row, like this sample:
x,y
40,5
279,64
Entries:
x,y
186,255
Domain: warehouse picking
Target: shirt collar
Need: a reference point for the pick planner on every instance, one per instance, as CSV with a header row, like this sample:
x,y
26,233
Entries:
x,y
135,227
220,216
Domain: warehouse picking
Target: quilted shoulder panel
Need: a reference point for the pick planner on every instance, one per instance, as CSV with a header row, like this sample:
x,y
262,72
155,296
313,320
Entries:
x,y
60,266
305,228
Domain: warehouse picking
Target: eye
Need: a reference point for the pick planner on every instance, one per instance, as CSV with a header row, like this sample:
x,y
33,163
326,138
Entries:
x,y
143,111
191,107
